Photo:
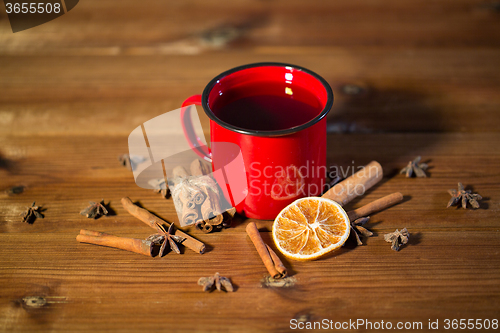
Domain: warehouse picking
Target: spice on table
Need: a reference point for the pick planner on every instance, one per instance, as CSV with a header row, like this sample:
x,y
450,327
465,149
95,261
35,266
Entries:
x,y
397,238
365,178
159,186
131,161
95,210
357,228
375,206
359,217
140,246
465,196
286,282
415,167
210,209
151,220
187,197
217,223
199,168
15,190
270,259
32,213
166,236
216,282
198,197
124,160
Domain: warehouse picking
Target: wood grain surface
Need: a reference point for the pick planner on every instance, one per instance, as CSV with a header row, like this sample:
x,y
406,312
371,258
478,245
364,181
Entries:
x,y
409,77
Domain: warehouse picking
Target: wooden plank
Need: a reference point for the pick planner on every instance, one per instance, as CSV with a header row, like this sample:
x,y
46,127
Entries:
x,y
425,90
191,27
437,268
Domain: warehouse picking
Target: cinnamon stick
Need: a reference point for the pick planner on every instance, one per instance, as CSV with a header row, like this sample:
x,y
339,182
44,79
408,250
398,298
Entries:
x,y
272,262
198,198
356,184
180,172
198,168
220,221
189,198
189,215
140,246
277,262
210,209
231,212
151,220
375,206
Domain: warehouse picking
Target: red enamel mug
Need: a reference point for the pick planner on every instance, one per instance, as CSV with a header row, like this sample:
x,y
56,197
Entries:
x,y
276,114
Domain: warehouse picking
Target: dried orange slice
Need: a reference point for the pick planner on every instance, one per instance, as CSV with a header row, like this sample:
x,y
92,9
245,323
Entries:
x,y
310,227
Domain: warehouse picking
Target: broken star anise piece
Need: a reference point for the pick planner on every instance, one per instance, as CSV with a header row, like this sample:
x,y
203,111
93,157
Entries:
x,y
32,213
218,282
95,210
125,161
466,196
397,238
131,161
357,227
415,167
166,236
159,186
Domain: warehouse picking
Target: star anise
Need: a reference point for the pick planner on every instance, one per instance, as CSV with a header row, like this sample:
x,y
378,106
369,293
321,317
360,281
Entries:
x,y
95,210
357,228
125,161
397,238
15,190
32,213
415,167
131,161
165,237
472,198
159,186
218,282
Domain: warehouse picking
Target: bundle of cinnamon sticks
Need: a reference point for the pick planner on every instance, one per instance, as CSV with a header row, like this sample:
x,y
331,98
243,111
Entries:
x,y
198,197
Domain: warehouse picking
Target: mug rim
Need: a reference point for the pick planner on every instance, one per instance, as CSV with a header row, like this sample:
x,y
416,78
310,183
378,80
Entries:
x,y
212,116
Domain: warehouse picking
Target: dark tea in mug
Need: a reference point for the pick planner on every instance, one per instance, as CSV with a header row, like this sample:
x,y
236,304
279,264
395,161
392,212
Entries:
x,y
266,106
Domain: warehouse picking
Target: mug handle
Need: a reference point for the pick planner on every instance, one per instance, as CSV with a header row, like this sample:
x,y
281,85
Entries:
x,y
193,140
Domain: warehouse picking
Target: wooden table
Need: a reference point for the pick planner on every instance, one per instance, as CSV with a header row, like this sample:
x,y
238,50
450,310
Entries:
x,y
410,78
